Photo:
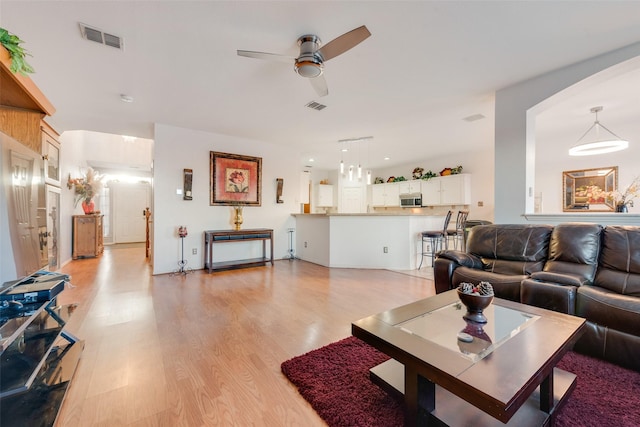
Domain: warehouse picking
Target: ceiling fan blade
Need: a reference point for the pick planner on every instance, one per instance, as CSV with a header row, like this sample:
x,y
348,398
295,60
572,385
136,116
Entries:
x,y
343,43
267,56
320,85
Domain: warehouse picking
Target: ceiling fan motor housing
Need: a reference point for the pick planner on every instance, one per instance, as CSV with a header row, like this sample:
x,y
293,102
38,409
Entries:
x,y
310,63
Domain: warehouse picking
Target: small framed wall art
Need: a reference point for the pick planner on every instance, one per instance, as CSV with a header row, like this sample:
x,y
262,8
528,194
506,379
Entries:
x,y
235,179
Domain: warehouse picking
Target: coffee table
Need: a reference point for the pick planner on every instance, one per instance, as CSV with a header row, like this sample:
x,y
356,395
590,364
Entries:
x,y
506,375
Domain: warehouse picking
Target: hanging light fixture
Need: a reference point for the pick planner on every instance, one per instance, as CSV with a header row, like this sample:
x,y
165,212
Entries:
x,y
368,177
349,141
598,140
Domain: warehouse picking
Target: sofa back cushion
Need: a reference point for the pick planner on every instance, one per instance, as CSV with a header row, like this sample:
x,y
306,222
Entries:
x,y
511,248
574,249
619,268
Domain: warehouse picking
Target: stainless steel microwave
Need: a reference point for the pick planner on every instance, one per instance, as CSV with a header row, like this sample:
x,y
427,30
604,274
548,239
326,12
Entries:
x,y
411,200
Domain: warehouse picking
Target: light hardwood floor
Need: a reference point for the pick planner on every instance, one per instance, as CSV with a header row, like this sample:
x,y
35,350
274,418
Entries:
x,y
205,349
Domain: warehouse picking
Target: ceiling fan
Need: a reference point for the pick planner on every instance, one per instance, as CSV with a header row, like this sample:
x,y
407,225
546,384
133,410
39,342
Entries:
x,y
310,62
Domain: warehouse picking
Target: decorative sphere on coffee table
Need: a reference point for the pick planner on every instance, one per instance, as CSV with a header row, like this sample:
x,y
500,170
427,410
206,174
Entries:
x,y
475,305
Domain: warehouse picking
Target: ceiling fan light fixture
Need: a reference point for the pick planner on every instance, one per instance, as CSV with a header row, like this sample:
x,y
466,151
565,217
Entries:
x,y
598,140
308,69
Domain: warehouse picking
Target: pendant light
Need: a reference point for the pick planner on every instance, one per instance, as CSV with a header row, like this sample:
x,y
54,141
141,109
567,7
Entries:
x,y
598,140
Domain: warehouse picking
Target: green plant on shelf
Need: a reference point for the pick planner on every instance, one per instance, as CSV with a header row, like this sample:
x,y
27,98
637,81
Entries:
x,y
11,42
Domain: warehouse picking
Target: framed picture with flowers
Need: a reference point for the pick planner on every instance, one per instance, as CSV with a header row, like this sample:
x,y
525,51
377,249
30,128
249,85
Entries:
x,y
235,179
590,190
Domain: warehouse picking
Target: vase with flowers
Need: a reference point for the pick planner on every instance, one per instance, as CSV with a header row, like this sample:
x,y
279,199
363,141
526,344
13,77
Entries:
x,y
624,199
85,189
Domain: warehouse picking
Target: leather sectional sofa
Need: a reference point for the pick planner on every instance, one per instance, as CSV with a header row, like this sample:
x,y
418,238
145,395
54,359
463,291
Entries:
x,y
581,269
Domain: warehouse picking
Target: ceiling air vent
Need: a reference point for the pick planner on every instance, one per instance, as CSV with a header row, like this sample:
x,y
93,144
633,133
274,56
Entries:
x,y
474,117
99,36
316,106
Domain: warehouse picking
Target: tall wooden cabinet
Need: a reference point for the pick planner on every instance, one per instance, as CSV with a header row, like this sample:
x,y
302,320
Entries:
x,y
87,236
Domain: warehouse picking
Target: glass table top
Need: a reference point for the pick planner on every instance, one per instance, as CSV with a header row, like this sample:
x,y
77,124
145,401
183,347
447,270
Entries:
x,y
473,341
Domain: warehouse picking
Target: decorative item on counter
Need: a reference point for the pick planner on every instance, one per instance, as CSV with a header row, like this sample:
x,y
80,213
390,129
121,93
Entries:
x,y
391,179
428,175
476,298
417,172
445,172
399,178
624,200
378,180
86,188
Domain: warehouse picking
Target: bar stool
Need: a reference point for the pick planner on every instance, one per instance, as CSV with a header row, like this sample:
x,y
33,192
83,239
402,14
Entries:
x,y
436,240
457,235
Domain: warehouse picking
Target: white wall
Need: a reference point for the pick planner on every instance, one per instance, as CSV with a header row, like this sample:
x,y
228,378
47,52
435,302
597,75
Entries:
x,y
176,149
515,142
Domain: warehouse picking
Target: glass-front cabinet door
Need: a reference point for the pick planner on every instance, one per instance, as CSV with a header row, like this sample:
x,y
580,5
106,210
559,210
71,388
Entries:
x,y
53,226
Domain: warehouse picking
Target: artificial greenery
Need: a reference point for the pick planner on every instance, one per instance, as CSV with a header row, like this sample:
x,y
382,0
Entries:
x,y
11,42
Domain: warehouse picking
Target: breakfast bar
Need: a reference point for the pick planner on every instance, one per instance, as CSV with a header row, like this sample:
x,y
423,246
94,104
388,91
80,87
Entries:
x,y
364,240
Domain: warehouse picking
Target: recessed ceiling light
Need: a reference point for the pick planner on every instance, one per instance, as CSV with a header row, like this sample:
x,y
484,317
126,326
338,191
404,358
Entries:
x,y
387,158
312,160
344,150
126,98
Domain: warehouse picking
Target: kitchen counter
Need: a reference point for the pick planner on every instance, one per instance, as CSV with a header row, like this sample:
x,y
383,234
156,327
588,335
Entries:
x,y
404,212
364,240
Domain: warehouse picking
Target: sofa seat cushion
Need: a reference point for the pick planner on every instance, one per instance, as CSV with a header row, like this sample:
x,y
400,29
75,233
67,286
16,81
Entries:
x,y
619,268
504,286
607,308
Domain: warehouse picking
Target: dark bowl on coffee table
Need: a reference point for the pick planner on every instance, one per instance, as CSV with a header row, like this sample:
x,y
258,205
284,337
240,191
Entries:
x,y
475,305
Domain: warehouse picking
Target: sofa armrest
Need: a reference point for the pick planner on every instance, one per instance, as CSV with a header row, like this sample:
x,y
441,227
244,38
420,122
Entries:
x,y
552,296
462,258
558,278
445,264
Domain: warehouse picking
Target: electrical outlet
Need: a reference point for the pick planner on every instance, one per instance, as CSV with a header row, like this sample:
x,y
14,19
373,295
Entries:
x,y
480,204
194,251
305,244
385,250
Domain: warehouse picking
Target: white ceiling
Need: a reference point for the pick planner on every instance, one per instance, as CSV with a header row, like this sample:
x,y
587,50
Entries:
x,y
426,66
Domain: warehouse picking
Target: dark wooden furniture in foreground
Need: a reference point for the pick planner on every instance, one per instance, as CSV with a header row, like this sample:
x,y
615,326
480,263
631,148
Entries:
x,y
506,374
229,236
38,357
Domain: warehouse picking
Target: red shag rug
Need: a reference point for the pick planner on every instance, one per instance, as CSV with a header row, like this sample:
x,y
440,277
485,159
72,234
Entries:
x,y
335,380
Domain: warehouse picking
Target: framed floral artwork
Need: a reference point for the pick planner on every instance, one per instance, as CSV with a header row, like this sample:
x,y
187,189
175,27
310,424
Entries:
x,y
235,179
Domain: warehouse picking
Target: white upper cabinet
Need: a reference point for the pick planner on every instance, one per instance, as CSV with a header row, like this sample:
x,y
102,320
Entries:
x,y
385,194
324,195
447,190
407,187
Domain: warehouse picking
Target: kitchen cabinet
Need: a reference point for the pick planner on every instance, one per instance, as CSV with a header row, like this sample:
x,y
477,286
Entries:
x,y
324,195
383,195
447,190
87,236
51,155
409,187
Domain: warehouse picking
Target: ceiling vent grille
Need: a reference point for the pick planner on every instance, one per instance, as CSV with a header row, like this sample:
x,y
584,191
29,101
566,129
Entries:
x,y
316,106
98,36
474,118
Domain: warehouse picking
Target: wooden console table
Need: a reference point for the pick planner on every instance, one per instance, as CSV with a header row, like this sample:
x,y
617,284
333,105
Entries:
x,y
229,236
